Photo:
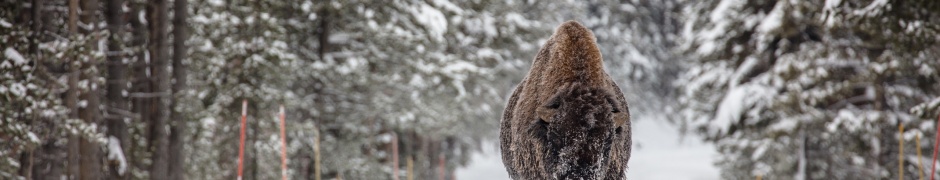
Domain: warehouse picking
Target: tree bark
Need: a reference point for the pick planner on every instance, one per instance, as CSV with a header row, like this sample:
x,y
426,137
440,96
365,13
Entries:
x,y
157,17
71,96
27,160
178,126
90,149
117,84
140,83
36,13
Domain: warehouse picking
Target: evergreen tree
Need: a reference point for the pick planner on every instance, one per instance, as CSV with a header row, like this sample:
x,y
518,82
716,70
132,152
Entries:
x,y
809,89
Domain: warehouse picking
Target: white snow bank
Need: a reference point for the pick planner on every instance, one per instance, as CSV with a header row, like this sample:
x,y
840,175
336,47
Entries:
x,y
115,153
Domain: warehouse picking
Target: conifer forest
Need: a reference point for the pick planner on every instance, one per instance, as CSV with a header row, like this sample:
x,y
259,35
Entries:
x,y
412,89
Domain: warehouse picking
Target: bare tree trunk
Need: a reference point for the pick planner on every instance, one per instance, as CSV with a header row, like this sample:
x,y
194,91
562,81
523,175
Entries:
x,y
36,12
157,17
140,83
26,164
117,84
178,126
71,96
27,160
73,17
90,149
323,32
47,160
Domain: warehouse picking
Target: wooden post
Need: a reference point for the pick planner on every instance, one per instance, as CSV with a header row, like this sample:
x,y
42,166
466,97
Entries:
x,y
900,151
394,156
936,145
241,144
920,163
283,147
411,168
316,154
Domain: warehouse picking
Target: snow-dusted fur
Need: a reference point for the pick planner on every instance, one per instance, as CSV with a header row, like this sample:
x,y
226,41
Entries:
x,y
567,119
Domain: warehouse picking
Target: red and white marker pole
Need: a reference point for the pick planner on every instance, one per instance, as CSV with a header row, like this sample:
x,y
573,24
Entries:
x,y
241,145
441,170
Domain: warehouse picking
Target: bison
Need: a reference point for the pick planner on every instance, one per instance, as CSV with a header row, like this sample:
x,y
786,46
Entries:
x,y
567,119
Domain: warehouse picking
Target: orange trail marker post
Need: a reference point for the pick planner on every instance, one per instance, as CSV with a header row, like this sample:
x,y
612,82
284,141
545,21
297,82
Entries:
x,y
283,147
241,144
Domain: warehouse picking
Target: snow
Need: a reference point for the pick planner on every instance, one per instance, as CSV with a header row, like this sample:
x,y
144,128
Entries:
x,y
759,152
872,9
485,25
774,20
460,66
729,110
384,138
735,104
15,56
659,152
32,137
831,4
4,23
432,19
217,3
784,125
141,16
484,165
448,6
722,16
519,20
115,153
17,89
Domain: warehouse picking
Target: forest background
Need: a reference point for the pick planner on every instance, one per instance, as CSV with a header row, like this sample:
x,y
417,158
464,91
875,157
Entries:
x,y
133,89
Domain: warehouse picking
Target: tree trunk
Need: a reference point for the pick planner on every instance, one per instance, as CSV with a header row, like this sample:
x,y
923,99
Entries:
x,y
71,96
178,125
90,149
139,84
27,160
36,12
117,83
157,17
47,159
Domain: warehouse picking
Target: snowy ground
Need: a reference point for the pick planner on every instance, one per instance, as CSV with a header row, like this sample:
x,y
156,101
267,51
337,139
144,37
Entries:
x,y
657,154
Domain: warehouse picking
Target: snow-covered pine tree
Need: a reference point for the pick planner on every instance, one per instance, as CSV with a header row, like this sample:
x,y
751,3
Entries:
x,y
34,59
811,89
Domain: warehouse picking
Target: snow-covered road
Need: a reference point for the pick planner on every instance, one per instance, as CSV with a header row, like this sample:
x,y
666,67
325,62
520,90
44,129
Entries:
x,y
658,153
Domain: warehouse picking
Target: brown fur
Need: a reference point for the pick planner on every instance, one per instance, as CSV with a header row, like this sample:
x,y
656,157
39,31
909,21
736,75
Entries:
x,y
567,119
